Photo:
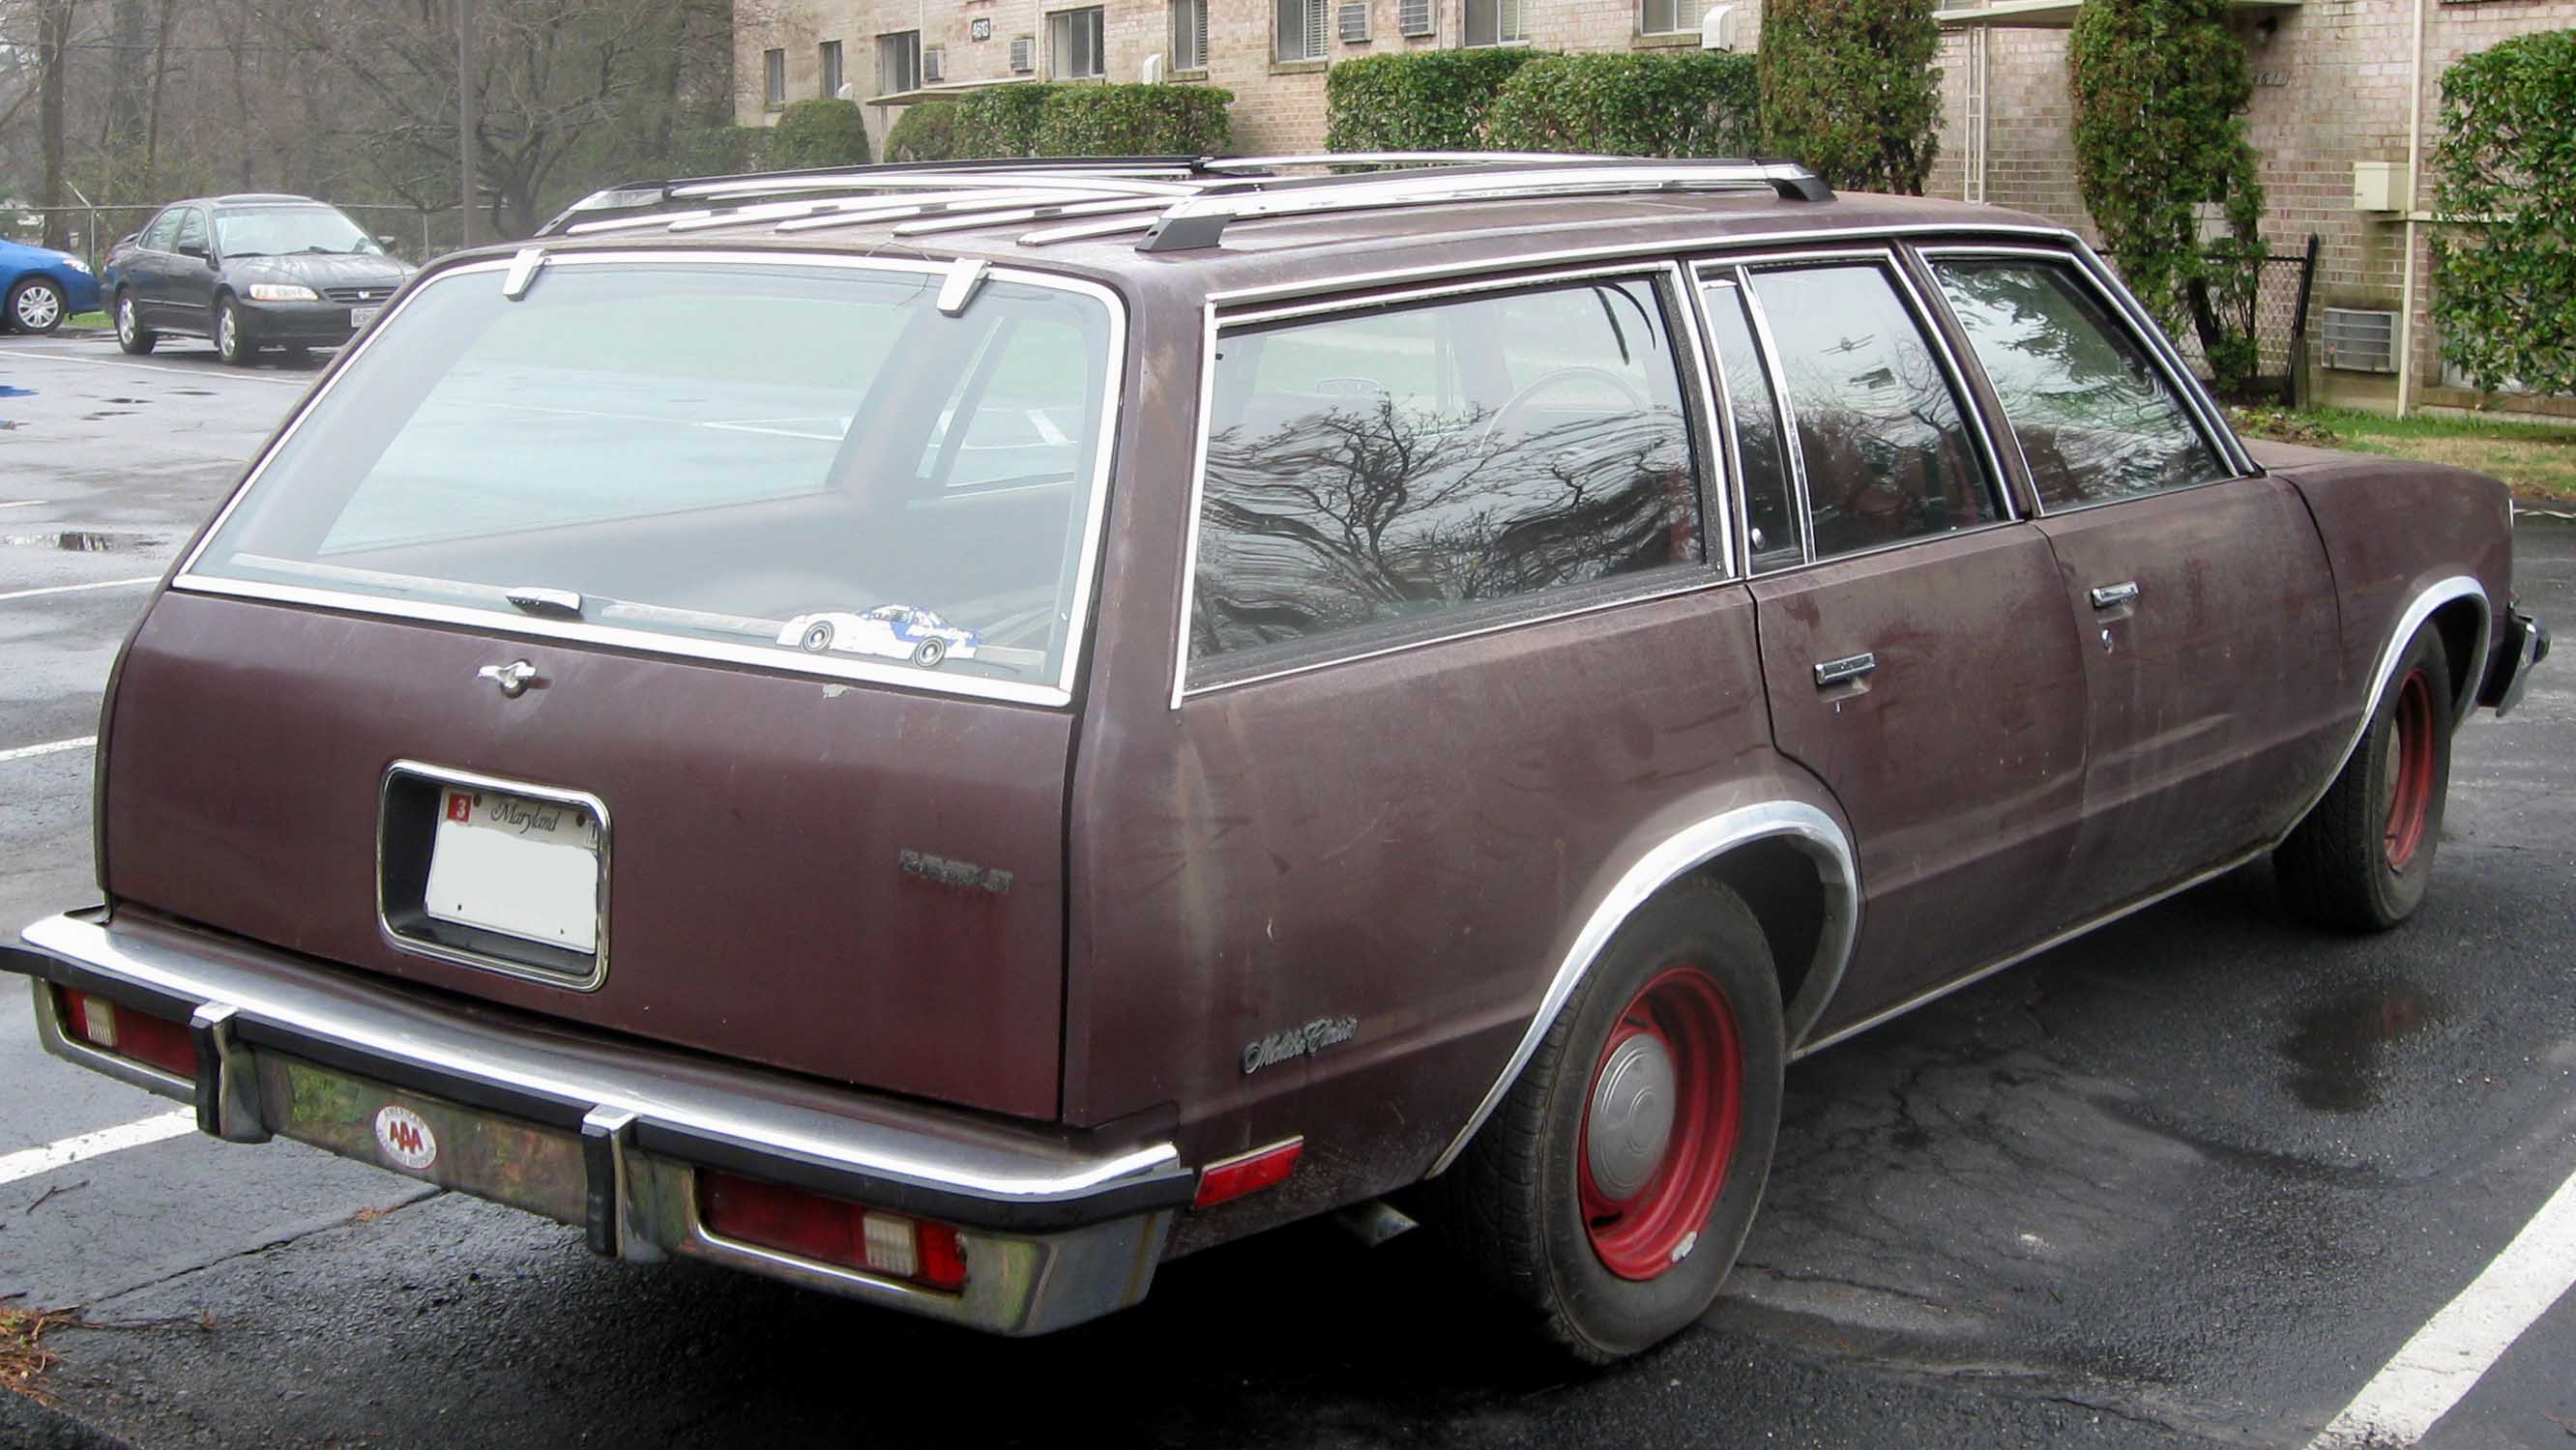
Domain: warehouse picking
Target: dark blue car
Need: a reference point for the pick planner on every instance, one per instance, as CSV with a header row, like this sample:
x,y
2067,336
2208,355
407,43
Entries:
x,y
42,287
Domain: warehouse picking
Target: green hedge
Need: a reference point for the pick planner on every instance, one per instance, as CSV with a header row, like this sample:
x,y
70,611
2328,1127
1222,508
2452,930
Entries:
x,y
1133,120
718,150
1849,88
821,131
926,131
2504,178
1424,100
1001,121
1655,103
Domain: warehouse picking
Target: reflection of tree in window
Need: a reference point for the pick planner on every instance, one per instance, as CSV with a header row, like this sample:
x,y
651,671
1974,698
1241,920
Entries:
x,y
2095,419
1887,454
1348,502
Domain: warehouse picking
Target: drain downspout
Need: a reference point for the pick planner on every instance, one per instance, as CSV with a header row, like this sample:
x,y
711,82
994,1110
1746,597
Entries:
x,y
2414,188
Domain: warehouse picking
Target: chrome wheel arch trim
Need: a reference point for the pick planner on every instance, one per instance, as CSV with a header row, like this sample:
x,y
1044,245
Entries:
x,y
1802,825
2428,600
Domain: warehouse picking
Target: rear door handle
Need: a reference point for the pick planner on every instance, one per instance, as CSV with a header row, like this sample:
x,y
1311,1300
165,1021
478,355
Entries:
x,y
1849,667
2106,596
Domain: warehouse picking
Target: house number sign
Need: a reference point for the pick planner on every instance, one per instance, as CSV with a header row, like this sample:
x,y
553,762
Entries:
x,y
981,28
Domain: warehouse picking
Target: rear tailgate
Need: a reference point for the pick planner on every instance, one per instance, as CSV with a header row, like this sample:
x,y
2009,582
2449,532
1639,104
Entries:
x,y
757,905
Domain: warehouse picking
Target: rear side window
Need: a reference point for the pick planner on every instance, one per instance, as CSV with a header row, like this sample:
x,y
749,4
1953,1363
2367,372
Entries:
x,y
1377,468
2095,419
1887,451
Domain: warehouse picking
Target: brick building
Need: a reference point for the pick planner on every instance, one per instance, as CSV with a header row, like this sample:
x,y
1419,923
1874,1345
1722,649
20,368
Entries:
x,y
2334,104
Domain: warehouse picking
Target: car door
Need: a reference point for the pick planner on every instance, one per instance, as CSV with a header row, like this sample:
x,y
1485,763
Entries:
x,y
146,266
189,298
1913,649
2202,591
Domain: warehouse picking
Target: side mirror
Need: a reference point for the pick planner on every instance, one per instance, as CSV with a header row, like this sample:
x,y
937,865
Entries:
x,y
125,241
193,249
385,240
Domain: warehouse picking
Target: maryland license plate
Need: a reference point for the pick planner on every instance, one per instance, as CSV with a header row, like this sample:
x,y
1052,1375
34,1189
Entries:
x,y
523,867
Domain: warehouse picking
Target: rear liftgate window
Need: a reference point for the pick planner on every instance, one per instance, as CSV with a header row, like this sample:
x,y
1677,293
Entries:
x,y
1379,475
813,463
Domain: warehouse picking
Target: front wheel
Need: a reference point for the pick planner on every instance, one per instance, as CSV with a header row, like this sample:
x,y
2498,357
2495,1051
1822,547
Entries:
x,y
929,653
232,342
1611,1191
2363,858
36,306
131,334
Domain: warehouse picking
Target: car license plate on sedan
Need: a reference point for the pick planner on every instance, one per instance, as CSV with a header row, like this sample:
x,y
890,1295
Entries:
x,y
526,868
361,316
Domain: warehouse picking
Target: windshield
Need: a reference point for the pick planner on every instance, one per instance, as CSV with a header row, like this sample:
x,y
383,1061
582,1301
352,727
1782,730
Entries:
x,y
802,459
278,231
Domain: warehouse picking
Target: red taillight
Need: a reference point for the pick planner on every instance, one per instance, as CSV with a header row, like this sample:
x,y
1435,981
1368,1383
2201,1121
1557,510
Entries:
x,y
1258,1169
830,1230
127,1033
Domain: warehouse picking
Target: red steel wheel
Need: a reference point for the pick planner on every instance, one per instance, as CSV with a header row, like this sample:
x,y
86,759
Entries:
x,y
2410,769
1660,1124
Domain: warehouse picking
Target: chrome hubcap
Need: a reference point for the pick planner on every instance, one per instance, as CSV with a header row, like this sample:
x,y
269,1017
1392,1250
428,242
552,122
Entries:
x,y
38,307
1632,1117
125,319
225,331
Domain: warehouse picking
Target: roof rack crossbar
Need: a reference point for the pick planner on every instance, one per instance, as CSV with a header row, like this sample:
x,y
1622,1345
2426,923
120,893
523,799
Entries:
x,y
968,208
1393,158
963,219
1200,222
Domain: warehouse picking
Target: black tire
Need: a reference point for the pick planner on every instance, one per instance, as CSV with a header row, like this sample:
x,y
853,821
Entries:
x,y
41,298
131,334
929,653
1514,1205
2362,859
232,335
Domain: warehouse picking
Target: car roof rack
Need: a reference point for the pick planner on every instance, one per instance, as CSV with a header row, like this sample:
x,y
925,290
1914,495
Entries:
x,y
1179,203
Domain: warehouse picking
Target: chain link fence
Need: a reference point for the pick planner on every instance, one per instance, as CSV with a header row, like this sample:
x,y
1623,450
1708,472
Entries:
x,y
2283,285
90,232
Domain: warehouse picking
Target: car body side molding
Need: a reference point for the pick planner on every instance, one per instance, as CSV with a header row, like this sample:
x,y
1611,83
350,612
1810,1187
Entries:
x,y
1811,830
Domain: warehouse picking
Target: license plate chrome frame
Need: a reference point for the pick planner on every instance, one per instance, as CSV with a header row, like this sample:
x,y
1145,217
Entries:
x,y
406,824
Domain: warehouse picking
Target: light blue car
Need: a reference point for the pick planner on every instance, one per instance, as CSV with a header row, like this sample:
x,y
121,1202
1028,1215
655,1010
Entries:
x,y
42,287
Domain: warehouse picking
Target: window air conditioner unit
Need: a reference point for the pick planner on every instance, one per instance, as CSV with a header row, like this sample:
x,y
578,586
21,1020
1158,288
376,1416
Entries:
x,y
1023,52
934,65
1413,17
1352,22
2360,340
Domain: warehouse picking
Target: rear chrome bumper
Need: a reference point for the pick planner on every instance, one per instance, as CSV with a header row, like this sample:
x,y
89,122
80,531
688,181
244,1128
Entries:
x,y
2525,644
608,1135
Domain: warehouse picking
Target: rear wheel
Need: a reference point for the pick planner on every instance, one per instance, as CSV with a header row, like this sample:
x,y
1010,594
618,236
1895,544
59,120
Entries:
x,y
1611,1191
2363,858
36,306
131,334
929,653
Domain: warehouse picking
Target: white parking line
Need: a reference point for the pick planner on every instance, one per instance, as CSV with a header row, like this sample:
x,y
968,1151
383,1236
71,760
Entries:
x,y
24,503
77,588
50,747
108,362
2443,1362
63,1154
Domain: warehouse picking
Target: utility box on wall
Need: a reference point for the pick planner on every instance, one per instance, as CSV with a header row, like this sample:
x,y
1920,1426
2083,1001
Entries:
x,y
2379,186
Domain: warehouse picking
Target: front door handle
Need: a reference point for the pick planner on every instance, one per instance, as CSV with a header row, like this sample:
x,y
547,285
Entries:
x,y
2107,596
1849,667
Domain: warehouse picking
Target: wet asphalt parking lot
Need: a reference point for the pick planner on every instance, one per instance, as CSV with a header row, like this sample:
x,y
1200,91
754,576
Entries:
x,y
2205,1177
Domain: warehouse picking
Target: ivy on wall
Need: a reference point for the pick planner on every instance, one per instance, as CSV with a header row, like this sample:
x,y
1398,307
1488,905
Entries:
x,y
2161,88
1848,87
2504,181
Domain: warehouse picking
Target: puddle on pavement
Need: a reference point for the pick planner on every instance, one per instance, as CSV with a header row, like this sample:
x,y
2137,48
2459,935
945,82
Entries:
x,y
2339,1046
11,391
82,541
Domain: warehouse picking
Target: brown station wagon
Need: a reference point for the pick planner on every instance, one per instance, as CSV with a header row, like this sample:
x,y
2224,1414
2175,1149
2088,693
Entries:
x,y
952,734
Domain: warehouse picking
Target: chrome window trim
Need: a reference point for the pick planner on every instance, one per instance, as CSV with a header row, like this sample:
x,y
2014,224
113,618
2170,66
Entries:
x,y
1690,249
1802,825
2151,347
484,961
1721,402
1055,694
1781,403
1716,565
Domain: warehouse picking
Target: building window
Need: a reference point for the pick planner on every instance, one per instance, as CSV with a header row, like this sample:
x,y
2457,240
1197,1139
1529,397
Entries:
x,y
1498,22
1189,34
773,78
831,50
1298,29
1660,17
1073,45
898,62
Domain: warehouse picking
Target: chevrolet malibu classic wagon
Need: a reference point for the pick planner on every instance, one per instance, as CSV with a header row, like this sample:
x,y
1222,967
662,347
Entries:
x,y
1475,666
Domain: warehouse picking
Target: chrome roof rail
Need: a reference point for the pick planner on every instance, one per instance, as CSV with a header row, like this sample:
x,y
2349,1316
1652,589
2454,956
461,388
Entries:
x,y
958,219
1392,158
884,176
